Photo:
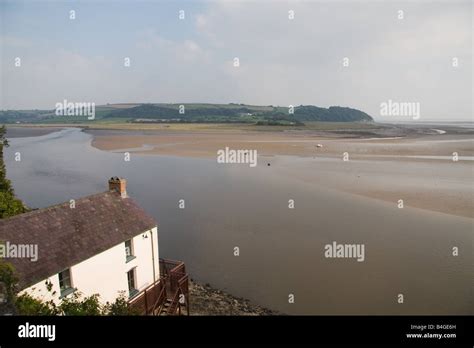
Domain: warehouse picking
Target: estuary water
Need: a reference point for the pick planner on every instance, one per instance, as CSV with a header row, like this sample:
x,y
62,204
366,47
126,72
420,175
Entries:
x,y
281,251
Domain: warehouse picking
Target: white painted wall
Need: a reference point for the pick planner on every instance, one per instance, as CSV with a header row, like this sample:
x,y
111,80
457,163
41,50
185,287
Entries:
x,y
106,273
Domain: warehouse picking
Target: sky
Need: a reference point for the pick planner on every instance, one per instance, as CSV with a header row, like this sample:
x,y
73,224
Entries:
x,y
358,54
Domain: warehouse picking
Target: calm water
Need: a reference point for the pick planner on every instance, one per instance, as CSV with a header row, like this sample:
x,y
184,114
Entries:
x,y
407,251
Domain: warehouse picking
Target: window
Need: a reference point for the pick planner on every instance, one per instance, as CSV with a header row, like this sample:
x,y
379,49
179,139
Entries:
x,y
132,290
65,284
129,250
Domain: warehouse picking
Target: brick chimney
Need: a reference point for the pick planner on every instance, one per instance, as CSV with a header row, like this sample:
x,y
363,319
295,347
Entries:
x,y
119,185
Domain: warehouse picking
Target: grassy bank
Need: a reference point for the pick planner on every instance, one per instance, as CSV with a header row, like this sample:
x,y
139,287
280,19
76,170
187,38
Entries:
x,y
182,127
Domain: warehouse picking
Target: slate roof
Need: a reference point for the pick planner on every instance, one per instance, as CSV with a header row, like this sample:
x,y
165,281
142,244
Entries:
x,y
68,236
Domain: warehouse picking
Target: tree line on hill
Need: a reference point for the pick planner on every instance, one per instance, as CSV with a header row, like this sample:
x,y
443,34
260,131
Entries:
x,y
242,113
202,113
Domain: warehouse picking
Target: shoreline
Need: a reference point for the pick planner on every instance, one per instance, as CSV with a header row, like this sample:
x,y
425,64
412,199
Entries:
x,y
208,301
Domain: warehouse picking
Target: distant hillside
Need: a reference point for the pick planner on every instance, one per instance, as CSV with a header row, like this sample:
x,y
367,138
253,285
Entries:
x,y
196,113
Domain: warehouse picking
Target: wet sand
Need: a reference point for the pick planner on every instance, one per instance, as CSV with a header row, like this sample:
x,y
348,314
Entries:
x,y
417,168
206,144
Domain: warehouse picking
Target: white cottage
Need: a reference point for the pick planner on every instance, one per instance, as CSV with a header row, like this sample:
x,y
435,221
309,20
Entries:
x,y
100,244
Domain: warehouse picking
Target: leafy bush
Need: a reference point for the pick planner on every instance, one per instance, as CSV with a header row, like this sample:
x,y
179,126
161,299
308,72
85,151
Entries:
x,y
9,205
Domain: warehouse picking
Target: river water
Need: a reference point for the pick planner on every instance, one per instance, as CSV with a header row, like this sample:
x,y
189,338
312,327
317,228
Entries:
x,y
281,250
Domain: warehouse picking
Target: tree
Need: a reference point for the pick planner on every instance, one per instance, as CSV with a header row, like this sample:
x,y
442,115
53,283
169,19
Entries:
x,y
9,204
8,281
5,184
28,305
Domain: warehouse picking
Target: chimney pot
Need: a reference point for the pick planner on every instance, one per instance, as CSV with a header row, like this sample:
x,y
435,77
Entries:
x,y
119,185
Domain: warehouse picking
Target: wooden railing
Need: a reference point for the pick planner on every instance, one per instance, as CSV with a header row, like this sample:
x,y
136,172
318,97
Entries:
x,y
169,295
180,298
145,300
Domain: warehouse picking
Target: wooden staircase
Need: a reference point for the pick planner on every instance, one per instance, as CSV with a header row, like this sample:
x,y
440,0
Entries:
x,y
167,296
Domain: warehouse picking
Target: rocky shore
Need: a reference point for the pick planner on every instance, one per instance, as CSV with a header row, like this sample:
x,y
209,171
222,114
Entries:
x,y
205,300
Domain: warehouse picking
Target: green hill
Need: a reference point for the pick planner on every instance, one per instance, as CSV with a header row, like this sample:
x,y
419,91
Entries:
x,y
195,113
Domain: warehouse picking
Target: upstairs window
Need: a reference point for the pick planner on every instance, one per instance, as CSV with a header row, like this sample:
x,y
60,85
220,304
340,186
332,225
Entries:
x,y
65,283
129,255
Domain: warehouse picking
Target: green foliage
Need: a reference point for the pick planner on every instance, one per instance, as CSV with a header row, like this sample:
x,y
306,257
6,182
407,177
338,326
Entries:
x,y
5,184
75,305
27,305
239,113
12,116
156,112
197,113
119,307
8,281
9,205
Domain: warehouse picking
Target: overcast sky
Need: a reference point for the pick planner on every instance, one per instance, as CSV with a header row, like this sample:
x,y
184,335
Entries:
x,y
282,61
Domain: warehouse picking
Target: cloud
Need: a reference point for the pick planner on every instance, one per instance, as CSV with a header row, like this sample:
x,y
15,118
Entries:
x,y
300,61
44,80
282,61
15,41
